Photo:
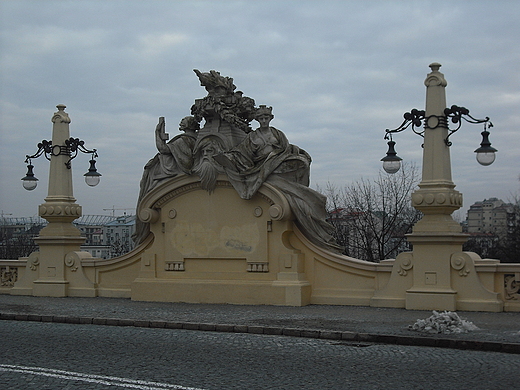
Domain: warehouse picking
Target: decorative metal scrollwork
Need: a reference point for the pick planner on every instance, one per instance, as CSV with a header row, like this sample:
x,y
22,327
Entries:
x,y
71,148
456,114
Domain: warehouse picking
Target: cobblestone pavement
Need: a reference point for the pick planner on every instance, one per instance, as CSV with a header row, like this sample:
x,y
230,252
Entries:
x,y
497,331
75,356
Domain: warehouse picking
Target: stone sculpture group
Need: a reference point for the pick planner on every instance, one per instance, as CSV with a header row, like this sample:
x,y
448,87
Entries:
x,y
227,145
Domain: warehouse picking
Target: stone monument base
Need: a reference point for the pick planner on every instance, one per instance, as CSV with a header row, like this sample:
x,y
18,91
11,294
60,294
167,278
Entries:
x,y
222,291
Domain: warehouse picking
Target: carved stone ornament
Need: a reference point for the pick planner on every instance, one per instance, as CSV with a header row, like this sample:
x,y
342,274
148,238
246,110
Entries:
x,y
227,145
405,263
174,266
60,209
458,263
8,276
435,78
512,288
70,261
61,116
447,198
34,262
257,267
258,211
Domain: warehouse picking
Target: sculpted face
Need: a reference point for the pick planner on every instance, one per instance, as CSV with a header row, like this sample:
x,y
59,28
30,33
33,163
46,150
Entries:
x,y
183,126
189,125
206,167
264,120
209,151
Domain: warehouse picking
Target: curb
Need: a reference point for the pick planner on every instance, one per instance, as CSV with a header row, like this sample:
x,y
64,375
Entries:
x,y
341,336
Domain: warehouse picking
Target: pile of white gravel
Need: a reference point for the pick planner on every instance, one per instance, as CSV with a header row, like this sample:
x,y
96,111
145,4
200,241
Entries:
x,y
447,322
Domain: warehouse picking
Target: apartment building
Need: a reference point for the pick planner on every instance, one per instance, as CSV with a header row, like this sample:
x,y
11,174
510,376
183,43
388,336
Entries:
x,y
491,215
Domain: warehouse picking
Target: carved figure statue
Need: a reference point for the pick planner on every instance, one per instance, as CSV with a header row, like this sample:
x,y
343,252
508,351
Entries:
x,y
263,152
227,145
174,158
265,155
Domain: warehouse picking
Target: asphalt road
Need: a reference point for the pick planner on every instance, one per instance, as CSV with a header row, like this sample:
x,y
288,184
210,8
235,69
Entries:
x,y
37,355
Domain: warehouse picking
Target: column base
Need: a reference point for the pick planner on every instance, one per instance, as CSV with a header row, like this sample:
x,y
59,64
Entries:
x,y
441,299
50,288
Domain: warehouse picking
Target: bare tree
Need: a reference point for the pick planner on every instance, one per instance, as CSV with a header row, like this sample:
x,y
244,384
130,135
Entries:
x,y
371,217
15,244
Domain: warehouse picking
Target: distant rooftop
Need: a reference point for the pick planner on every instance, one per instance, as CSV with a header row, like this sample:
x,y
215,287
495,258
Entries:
x,y
90,220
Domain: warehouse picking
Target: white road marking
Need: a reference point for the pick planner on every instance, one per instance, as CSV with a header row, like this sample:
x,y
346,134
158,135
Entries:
x,y
101,379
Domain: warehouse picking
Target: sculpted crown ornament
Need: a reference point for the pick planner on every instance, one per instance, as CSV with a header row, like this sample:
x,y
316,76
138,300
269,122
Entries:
x,y
264,110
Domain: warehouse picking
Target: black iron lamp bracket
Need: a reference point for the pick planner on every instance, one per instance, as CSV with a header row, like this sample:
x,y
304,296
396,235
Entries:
x,y
70,149
455,114
413,118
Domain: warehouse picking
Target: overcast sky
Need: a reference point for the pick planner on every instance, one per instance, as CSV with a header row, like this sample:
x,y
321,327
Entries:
x,y
337,74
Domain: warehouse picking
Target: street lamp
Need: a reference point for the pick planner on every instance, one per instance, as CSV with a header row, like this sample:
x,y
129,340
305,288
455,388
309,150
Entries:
x,y
69,148
391,162
29,181
54,270
92,177
440,275
415,119
485,154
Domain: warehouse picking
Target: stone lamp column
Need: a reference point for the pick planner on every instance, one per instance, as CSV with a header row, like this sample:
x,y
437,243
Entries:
x,y
437,274
59,237
437,236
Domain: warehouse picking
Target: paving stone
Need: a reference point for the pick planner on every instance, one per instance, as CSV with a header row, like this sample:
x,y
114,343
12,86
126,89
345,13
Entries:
x,y
255,329
173,325
157,324
497,331
240,328
273,331
291,332
224,328
349,336
191,326
331,335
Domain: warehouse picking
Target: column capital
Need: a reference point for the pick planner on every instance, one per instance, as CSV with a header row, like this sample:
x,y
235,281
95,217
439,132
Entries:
x,y
435,78
61,116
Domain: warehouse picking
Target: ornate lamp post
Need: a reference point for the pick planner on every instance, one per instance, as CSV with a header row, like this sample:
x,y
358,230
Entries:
x,y
437,239
59,241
